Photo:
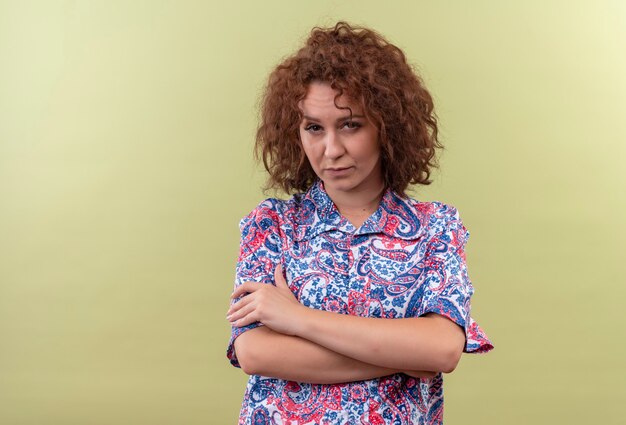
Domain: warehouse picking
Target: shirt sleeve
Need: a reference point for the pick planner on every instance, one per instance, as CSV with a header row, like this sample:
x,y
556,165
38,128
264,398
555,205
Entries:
x,y
447,287
259,254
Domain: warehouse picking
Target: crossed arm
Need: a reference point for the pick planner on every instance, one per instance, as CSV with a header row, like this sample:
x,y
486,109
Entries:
x,y
307,345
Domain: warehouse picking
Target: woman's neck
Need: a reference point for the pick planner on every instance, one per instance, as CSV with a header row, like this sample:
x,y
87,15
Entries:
x,y
357,207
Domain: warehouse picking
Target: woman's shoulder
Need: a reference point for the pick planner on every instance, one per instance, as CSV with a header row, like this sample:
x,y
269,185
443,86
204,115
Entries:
x,y
272,212
437,217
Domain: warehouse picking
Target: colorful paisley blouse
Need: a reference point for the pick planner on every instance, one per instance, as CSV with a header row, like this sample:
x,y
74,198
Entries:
x,y
406,260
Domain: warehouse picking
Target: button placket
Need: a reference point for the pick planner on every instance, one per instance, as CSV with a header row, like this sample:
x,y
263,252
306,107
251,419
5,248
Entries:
x,y
357,296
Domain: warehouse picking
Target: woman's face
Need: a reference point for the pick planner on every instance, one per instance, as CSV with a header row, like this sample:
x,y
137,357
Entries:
x,y
343,150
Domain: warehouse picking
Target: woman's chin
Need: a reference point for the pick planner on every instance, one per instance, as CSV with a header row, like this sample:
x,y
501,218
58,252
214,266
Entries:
x,y
338,185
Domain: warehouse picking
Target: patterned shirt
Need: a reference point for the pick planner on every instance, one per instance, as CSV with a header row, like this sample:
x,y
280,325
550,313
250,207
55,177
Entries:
x,y
406,260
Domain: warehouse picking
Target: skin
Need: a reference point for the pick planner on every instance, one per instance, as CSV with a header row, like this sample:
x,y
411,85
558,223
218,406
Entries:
x,y
308,345
343,150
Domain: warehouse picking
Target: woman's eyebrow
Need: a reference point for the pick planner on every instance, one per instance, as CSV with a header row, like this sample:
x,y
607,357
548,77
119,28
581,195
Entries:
x,y
347,117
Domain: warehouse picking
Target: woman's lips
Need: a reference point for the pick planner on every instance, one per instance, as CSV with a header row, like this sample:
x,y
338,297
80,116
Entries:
x,y
338,171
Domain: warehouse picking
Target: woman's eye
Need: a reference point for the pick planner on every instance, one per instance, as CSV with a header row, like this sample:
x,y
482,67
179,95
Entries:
x,y
352,125
313,128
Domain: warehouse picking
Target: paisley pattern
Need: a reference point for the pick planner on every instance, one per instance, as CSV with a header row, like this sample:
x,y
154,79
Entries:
x,y
406,260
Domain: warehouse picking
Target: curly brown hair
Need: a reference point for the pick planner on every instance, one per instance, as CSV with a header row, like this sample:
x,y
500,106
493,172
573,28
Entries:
x,y
360,62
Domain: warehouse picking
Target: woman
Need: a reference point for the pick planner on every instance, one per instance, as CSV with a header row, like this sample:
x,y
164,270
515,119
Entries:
x,y
369,298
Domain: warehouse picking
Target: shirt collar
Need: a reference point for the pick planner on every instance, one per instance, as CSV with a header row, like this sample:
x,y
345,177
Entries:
x,y
396,217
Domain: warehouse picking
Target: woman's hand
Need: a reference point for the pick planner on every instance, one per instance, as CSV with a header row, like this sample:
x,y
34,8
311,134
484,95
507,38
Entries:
x,y
274,306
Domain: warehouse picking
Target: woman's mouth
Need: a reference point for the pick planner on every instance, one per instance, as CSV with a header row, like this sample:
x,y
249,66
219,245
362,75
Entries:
x,y
339,171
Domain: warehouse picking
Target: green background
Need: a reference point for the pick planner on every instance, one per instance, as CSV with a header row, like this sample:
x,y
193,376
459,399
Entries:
x,y
126,132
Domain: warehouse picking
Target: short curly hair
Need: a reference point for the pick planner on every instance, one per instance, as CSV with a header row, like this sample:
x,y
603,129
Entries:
x,y
360,62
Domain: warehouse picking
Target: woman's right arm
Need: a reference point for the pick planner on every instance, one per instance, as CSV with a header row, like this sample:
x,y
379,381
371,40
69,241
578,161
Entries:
x,y
262,351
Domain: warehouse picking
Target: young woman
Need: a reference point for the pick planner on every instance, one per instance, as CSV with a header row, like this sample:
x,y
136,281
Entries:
x,y
351,299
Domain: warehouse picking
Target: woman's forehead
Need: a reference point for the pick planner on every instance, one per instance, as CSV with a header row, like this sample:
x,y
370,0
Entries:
x,y
322,97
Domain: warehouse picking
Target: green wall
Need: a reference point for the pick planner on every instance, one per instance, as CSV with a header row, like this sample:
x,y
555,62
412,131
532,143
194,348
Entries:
x,y
126,130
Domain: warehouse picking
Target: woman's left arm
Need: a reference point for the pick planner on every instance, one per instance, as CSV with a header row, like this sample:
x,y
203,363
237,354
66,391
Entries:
x,y
431,342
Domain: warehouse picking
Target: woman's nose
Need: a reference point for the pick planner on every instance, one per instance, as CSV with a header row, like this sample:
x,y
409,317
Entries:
x,y
334,146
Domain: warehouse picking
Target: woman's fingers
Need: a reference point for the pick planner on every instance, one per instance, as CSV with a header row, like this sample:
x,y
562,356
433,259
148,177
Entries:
x,y
238,305
273,305
280,282
246,288
249,287
249,292
242,317
278,276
